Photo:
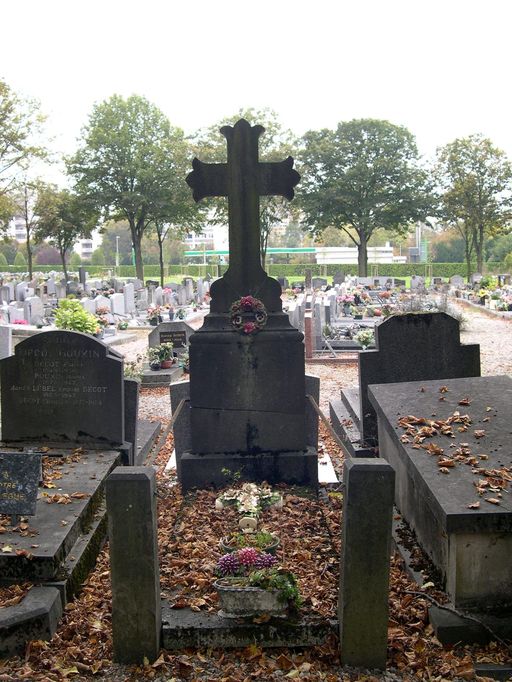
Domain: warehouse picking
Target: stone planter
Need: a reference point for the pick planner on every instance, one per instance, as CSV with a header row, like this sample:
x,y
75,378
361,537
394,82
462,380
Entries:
x,y
226,548
237,601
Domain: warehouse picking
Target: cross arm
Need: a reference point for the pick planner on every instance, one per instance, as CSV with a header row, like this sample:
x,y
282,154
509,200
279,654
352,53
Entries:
x,y
278,178
208,180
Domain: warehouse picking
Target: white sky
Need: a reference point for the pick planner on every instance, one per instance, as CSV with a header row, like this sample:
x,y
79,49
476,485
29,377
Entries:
x,y
441,68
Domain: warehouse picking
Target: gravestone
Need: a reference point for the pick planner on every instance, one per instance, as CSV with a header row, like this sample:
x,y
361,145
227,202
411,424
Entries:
x,y
33,309
457,281
5,294
20,474
247,383
338,278
89,304
21,291
5,341
60,290
117,304
182,295
73,288
476,277
102,302
82,275
158,296
62,386
176,332
318,282
50,286
410,347
307,281
129,298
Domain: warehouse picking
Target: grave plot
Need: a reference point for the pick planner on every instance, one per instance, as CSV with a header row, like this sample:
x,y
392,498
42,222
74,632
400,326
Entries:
x,y
410,347
64,396
178,333
448,442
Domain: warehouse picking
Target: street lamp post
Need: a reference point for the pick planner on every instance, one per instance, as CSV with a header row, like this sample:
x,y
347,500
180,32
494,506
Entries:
x,y
117,255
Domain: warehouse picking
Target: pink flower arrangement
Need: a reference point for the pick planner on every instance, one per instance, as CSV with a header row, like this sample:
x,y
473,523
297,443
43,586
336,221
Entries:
x,y
20,322
249,328
247,302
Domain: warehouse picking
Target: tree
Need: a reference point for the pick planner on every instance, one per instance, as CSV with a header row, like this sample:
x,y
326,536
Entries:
x,y
20,126
362,176
275,144
3,260
475,180
116,238
63,219
24,198
98,257
75,261
131,165
44,254
9,247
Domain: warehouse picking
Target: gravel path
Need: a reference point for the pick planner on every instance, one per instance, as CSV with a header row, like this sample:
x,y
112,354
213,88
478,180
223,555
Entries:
x,y
492,333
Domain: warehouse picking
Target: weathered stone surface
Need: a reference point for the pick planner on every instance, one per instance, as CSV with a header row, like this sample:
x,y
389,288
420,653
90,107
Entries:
x,y
132,528
415,346
19,480
365,562
181,429
131,412
62,386
35,617
470,547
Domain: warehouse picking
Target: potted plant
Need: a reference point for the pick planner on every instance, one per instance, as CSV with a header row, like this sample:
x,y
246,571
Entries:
x,y
165,354
154,358
365,338
122,325
154,315
250,583
261,540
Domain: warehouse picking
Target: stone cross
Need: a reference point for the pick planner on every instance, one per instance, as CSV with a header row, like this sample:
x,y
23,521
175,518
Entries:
x,y
243,179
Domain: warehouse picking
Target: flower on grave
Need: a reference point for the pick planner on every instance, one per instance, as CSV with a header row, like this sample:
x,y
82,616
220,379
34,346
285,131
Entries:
x,y
20,322
243,561
365,337
250,499
248,315
249,328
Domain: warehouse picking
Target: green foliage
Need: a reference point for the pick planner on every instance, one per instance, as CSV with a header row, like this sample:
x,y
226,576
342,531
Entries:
x,y
362,176
277,579
508,262
20,260
20,125
475,180
133,164
71,315
3,260
261,540
98,257
75,260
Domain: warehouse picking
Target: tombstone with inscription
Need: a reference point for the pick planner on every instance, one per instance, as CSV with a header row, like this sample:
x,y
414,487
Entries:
x,y
410,347
176,332
129,297
457,281
247,371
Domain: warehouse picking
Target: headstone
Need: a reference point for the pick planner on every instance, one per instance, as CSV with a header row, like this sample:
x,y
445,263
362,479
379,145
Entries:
x,y
62,386
182,295
189,288
5,294
243,414
410,347
15,313
50,284
82,275
33,310
117,304
141,299
137,284
476,277
176,332
102,302
5,341
318,282
457,281
307,282
129,298
89,304
158,296
200,289
338,278
73,288
60,290
21,291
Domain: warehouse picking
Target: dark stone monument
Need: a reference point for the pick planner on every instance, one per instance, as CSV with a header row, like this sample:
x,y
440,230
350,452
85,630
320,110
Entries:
x,y
19,480
318,282
63,387
338,278
176,332
410,347
247,378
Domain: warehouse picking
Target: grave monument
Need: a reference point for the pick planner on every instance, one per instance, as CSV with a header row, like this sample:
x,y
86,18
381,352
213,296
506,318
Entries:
x,y
247,385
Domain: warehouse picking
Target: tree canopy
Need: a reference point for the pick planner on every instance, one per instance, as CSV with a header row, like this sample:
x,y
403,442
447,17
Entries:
x,y
132,164
362,176
475,181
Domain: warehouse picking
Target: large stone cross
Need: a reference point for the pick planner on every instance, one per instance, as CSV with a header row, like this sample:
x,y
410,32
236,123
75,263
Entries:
x,y
243,179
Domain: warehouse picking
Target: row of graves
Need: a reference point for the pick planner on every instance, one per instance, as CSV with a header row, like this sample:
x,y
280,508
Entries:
x,y
68,419
422,405
33,302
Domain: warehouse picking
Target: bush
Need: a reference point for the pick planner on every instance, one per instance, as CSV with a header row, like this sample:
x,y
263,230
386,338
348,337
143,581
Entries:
x,y
20,260
72,316
3,260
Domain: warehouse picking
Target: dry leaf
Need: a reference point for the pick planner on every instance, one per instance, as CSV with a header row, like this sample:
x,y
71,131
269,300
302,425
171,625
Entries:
x,y
492,500
474,505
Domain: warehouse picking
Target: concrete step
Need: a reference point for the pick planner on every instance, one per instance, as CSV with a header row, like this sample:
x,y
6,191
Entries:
x,y
345,428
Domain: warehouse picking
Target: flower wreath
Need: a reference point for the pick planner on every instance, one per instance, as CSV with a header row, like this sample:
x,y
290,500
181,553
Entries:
x,y
248,315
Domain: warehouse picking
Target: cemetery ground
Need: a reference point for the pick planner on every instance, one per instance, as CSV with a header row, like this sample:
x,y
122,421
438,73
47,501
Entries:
x,y
189,530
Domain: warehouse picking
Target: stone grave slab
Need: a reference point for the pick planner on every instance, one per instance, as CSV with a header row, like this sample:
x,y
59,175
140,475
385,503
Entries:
x,y
469,543
176,332
414,346
20,474
62,386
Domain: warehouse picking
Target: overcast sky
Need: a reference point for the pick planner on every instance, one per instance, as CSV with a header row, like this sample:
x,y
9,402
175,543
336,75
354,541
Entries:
x,y
441,68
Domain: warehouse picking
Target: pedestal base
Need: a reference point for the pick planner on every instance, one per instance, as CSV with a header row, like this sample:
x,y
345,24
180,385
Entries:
x,y
206,470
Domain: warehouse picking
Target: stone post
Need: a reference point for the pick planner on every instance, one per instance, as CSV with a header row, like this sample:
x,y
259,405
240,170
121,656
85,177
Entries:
x,y
132,529
365,562
308,334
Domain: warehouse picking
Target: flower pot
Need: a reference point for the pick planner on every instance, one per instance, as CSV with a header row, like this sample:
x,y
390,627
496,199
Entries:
x,y
153,321
238,601
166,364
155,366
227,548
